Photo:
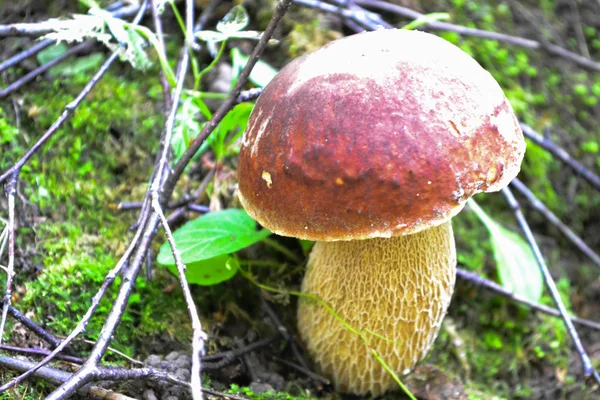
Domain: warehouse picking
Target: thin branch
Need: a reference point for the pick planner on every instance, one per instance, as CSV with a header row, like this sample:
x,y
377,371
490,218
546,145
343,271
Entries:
x,y
88,371
166,88
208,11
108,280
554,220
112,350
493,286
578,28
315,377
69,109
291,340
35,328
117,12
249,95
358,18
198,336
10,188
588,368
16,85
12,174
462,30
40,352
562,155
30,52
36,29
239,351
56,377
281,9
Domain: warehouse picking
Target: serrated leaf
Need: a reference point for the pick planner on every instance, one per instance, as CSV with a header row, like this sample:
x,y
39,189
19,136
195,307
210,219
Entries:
x,y
80,27
518,269
261,74
135,52
212,235
234,21
118,37
208,272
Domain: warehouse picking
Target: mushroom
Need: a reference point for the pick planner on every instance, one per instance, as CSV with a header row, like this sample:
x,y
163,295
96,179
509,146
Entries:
x,y
370,146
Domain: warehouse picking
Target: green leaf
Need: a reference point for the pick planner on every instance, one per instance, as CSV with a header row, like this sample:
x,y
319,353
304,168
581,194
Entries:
x,y
255,35
117,28
212,235
79,66
208,272
187,124
135,53
211,36
425,19
493,340
306,246
51,53
518,269
261,74
234,21
221,139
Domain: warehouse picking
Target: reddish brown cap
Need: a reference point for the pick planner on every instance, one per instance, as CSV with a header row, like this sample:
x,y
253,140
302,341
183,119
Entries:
x,y
378,134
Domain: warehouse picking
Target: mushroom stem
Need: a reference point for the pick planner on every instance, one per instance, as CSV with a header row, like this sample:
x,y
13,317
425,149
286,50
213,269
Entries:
x,y
397,288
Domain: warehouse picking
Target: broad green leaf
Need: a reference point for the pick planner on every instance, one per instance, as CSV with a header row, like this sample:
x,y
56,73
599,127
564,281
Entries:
x,y
50,53
234,21
208,272
261,74
78,66
212,235
425,19
518,269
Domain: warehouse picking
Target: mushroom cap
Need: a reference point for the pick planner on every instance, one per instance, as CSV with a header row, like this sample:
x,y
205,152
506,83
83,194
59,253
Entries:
x,y
377,134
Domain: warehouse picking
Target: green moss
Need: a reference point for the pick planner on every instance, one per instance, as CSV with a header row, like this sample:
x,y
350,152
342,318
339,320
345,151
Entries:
x,y
308,37
270,395
29,390
540,165
101,156
474,251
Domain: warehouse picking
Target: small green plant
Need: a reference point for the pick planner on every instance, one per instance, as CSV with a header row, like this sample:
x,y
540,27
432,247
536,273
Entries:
x,y
517,267
187,127
231,26
206,242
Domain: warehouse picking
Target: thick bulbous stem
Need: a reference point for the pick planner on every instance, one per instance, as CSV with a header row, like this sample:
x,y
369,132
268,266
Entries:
x,y
397,288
